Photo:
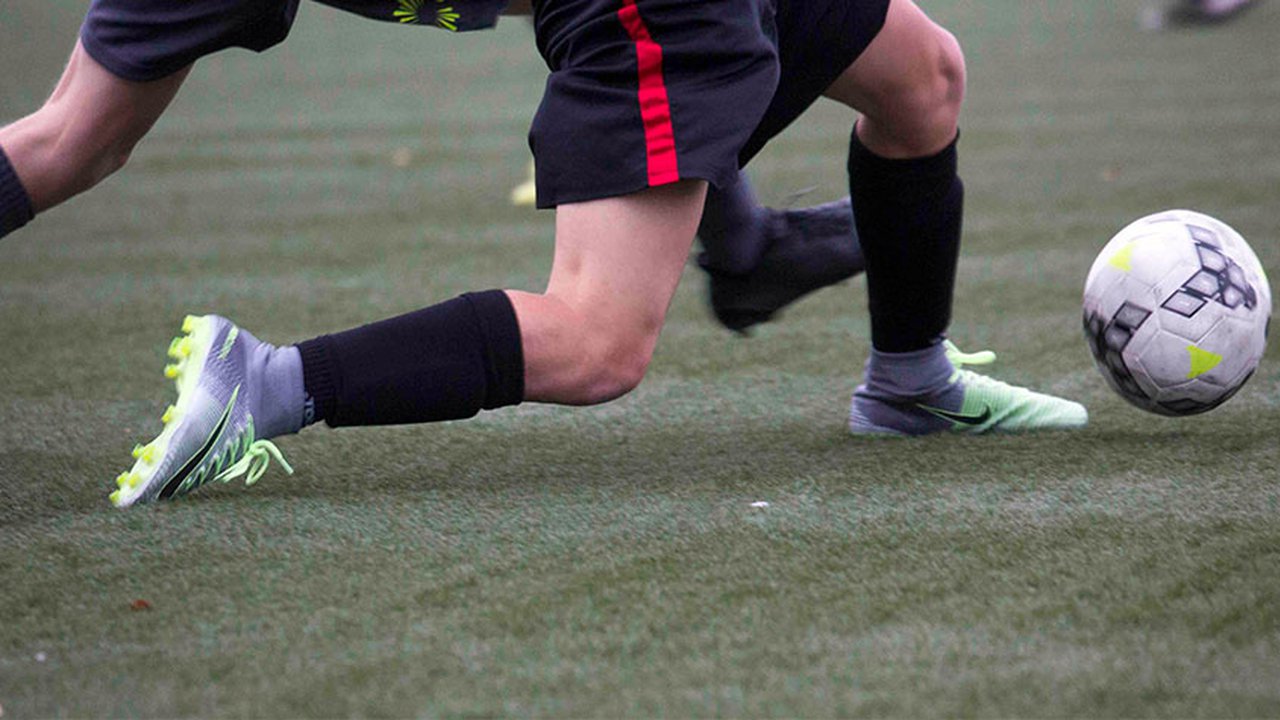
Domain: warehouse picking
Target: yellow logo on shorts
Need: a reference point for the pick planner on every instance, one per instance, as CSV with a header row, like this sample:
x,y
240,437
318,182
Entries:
x,y
411,12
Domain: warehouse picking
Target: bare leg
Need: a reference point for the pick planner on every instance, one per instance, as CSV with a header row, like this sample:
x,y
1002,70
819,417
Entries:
x,y
909,86
589,337
85,131
907,196
907,201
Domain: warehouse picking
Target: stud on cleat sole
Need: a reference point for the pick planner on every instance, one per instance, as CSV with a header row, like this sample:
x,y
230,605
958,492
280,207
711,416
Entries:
x,y
189,323
180,348
170,413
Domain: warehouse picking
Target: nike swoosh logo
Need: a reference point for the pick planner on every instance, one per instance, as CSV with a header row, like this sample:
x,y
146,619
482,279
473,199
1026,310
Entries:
x,y
962,418
190,466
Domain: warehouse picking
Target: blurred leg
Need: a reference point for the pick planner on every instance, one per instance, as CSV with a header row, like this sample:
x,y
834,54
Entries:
x,y
760,260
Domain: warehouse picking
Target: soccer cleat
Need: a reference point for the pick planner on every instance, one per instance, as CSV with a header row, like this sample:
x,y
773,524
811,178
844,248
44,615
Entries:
x,y
970,403
209,432
1185,13
808,249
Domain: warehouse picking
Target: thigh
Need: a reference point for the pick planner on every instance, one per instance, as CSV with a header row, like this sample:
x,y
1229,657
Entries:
x,y
910,53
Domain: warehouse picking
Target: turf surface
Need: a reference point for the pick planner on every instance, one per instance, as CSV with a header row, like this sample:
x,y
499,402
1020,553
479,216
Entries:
x,y
610,561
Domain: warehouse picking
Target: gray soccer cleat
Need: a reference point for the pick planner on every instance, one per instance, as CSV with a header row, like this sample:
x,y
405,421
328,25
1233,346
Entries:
x,y
970,403
209,433
1185,13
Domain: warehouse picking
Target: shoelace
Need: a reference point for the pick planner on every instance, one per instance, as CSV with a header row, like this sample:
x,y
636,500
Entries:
x,y
255,462
960,358
796,196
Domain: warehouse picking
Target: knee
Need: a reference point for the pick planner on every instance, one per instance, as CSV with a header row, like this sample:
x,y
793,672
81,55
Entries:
x,y
947,95
931,98
579,353
918,112
612,364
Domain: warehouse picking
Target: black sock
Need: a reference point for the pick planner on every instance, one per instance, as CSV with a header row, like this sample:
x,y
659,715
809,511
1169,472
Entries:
x,y
908,215
732,228
15,204
445,362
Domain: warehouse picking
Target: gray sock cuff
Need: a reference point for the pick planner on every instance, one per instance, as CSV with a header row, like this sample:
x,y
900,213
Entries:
x,y
15,204
281,401
908,374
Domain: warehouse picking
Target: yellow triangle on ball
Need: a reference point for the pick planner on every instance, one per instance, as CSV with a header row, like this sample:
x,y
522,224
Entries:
x,y
1202,361
1123,259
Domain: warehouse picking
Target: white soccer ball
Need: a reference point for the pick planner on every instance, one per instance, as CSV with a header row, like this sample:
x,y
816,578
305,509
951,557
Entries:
x,y
1176,311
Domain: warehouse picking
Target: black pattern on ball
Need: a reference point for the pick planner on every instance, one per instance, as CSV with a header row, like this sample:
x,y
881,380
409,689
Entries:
x,y
1107,341
1219,280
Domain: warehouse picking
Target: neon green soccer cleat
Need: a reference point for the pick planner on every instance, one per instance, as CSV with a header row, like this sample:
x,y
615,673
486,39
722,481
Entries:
x,y
209,432
970,403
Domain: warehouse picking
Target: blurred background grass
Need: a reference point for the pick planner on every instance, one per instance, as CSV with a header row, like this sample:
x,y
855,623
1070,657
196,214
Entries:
x,y
609,561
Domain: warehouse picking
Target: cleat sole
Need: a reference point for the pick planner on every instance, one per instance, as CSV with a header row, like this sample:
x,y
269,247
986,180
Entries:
x,y
191,349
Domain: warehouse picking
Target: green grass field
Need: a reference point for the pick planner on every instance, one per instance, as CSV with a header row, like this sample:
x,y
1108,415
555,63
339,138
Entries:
x,y
609,561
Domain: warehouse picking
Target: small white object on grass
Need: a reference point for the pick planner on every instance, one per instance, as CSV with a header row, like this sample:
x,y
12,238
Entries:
x,y
41,657
760,504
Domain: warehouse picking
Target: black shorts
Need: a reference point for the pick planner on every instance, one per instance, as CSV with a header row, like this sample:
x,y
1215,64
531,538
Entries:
x,y
647,92
145,40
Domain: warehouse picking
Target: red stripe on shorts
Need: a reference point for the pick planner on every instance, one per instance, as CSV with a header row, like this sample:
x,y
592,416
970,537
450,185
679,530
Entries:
x,y
655,109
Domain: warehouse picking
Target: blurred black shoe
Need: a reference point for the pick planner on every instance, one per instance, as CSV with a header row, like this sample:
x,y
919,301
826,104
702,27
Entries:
x,y
1186,13
807,249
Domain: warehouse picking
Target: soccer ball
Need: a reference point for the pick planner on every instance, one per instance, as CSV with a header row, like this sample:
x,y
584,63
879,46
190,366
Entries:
x,y
1176,311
